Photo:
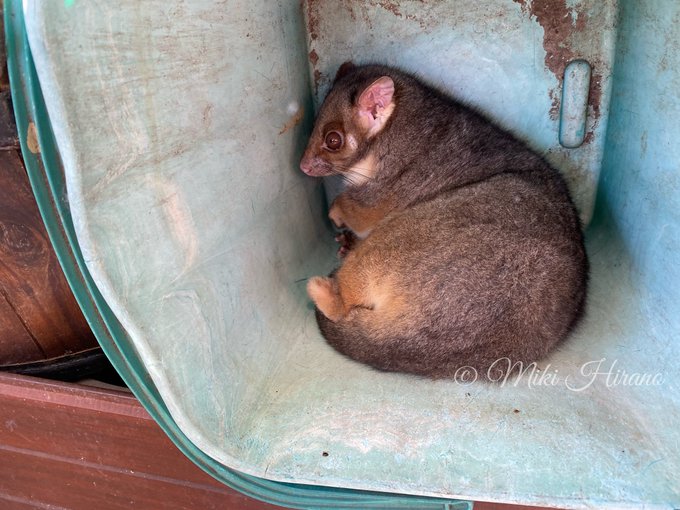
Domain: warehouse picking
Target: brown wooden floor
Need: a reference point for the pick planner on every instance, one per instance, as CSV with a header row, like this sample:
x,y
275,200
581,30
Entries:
x,y
67,446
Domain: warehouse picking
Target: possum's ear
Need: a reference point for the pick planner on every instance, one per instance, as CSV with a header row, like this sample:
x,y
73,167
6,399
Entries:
x,y
375,105
344,69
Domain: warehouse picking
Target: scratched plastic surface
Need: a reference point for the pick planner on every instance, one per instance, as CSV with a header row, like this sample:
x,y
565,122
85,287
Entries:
x,y
180,125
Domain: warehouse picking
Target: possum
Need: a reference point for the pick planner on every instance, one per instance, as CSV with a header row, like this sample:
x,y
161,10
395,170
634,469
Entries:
x,y
462,245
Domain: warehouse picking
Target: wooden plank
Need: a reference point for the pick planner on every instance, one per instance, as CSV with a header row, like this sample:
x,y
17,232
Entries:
x,y
16,344
30,276
82,448
52,412
4,76
12,503
9,139
76,485
8,129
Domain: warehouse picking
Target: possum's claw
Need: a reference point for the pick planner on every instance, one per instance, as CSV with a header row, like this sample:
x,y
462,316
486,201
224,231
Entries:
x,y
347,240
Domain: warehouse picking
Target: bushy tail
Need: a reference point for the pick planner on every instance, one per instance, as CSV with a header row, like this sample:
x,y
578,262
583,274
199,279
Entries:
x,y
351,337
359,337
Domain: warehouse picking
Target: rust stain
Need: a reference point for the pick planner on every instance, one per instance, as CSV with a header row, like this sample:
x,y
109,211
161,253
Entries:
x,y
393,7
32,139
555,104
595,91
317,79
347,4
312,19
313,30
523,5
560,25
421,22
294,121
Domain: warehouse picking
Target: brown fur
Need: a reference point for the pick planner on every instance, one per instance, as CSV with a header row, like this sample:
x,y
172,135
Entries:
x,y
357,217
472,247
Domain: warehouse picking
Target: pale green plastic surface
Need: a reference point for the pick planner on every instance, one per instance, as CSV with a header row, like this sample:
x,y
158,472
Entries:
x,y
176,125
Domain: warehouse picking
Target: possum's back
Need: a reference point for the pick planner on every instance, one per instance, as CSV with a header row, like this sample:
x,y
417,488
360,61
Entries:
x,y
485,271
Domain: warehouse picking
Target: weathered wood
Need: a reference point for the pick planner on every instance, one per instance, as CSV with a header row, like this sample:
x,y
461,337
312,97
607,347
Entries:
x,y
12,334
4,76
82,448
8,128
31,281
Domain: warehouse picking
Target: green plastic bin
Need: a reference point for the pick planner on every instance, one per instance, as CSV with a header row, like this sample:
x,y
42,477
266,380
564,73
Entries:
x,y
162,141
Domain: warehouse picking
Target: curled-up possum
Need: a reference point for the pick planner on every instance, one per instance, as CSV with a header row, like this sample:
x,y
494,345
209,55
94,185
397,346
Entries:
x,y
462,245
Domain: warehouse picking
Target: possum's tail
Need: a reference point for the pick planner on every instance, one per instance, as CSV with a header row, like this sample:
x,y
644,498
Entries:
x,y
353,337
360,338
423,353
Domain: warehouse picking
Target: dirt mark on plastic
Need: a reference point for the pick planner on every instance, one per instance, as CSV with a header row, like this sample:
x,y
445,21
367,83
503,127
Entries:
x,y
312,20
358,11
294,121
32,138
393,7
561,25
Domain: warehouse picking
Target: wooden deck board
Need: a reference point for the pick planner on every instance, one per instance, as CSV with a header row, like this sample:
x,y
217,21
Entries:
x,y
68,446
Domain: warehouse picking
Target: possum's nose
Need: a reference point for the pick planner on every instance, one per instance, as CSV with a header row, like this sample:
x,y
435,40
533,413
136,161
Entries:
x,y
306,165
314,165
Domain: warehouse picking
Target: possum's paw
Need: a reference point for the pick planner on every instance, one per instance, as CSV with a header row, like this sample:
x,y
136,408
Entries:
x,y
347,241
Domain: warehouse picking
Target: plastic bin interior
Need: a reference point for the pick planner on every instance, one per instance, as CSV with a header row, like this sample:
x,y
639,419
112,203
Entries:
x,y
180,126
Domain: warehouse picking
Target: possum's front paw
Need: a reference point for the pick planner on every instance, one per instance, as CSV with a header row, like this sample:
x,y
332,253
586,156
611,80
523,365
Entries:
x,y
336,214
347,240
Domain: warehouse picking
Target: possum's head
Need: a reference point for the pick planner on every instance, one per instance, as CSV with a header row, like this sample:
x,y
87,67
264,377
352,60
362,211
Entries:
x,y
356,109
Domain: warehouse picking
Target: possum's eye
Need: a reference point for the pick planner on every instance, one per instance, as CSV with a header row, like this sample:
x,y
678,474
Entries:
x,y
333,141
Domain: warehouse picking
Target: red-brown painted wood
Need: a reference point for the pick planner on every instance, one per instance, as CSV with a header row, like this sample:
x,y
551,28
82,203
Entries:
x,y
85,448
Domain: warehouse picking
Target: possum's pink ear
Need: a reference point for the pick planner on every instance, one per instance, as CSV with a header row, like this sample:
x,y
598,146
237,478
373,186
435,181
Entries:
x,y
375,105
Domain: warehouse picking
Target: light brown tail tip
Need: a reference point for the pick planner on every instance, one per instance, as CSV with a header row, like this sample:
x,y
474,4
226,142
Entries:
x,y
324,293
